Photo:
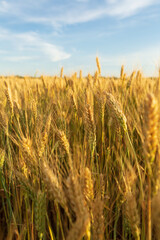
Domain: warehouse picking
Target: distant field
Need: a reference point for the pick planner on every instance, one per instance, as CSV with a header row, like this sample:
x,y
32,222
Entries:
x,y
79,157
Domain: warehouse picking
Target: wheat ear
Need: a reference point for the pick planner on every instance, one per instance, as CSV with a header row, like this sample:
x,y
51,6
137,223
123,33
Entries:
x,y
90,126
98,65
40,212
151,127
122,72
156,215
79,228
80,75
88,187
131,79
77,204
9,97
54,188
98,218
61,74
45,136
116,111
65,145
132,214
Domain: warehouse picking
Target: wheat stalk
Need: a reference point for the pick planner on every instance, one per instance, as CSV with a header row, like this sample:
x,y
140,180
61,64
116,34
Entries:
x,y
150,147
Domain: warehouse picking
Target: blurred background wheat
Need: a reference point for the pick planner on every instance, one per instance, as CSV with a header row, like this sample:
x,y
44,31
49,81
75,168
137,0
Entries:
x,y
79,157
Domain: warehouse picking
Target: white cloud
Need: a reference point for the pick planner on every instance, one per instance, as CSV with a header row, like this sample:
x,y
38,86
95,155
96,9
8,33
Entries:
x,y
17,58
74,14
127,8
71,12
55,53
79,17
4,7
31,43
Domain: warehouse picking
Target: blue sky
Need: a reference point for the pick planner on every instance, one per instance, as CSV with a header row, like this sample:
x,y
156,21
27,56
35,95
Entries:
x,y
39,37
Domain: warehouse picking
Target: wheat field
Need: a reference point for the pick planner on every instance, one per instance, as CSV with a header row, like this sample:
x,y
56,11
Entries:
x,y
79,157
